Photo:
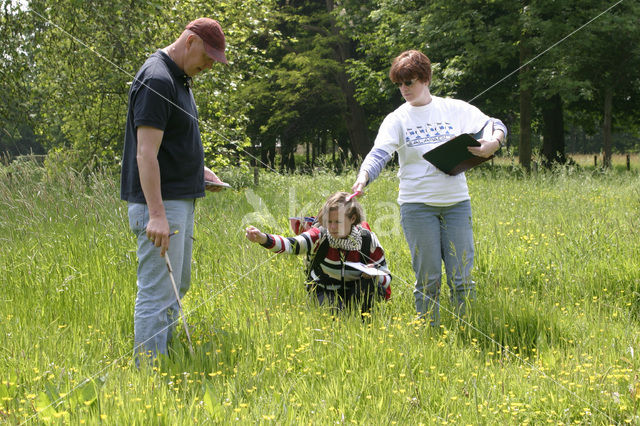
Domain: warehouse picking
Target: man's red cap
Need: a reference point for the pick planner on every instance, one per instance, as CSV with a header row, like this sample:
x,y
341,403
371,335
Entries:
x,y
210,31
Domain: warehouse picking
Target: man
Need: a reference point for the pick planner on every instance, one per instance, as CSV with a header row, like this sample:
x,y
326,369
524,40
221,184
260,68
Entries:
x,y
163,173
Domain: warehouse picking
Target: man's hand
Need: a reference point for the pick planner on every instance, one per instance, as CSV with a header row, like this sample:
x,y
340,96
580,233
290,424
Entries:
x,y
254,235
158,233
209,175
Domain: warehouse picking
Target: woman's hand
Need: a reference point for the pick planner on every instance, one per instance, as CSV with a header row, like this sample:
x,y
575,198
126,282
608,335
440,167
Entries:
x,y
360,183
254,235
486,149
488,146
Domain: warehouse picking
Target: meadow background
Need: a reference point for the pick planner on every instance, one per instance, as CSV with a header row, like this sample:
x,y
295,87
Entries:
x,y
552,339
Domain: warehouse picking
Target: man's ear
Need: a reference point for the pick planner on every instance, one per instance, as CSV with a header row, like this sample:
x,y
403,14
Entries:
x,y
353,219
190,39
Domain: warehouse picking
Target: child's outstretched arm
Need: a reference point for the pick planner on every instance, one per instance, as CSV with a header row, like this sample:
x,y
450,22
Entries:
x,y
297,245
254,235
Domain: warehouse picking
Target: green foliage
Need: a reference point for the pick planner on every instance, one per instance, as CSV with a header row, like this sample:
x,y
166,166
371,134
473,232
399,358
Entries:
x,y
16,78
552,338
86,53
474,47
222,106
306,71
301,96
613,46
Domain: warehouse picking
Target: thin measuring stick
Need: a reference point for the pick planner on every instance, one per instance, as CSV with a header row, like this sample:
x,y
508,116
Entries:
x,y
234,143
175,290
116,360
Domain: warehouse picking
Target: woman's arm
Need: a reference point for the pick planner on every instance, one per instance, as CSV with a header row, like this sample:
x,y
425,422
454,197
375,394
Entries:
x,y
371,167
387,142
493,138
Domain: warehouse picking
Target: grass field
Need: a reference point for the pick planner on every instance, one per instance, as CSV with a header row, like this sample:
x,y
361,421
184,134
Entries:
x,y
552,339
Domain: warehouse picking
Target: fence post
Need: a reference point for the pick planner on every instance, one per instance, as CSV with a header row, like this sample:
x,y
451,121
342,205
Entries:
x,y
628,162
595,161
255,176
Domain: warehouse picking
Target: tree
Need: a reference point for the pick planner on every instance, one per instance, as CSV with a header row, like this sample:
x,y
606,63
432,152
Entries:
x,y
308,71
16,78
525,81
473,43
223,105
468,43
576,41
85,53
288,100
607,58
305,95
355,118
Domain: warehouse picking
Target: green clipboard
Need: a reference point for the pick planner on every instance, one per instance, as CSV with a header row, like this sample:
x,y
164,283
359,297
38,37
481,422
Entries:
x,y
452,157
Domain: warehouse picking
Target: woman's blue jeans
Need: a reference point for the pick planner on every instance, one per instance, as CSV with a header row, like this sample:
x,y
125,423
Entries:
x,y
437,234
156,310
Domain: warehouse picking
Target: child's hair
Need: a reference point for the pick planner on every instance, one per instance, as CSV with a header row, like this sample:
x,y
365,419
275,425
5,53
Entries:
x,y
338,201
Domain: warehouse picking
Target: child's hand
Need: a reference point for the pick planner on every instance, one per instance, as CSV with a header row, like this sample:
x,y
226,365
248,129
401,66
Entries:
x,y
254,235
367,276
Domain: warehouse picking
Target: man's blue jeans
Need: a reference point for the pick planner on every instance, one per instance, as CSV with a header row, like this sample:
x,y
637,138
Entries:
x,y
437,234
156,310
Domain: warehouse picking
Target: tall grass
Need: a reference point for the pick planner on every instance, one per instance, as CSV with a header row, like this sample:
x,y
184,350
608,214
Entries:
x,y
552,338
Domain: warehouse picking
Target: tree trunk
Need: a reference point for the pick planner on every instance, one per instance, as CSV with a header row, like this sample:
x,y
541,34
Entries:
x,y
355,119
287,152
323,144
315,148
524,146
553,131
606,127
268,154
333,150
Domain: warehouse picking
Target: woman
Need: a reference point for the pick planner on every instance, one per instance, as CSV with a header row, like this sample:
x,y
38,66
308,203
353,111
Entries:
x,y
336,249
435,208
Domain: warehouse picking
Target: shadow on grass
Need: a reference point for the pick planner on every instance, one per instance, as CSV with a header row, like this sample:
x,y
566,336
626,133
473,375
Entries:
x,y
521,331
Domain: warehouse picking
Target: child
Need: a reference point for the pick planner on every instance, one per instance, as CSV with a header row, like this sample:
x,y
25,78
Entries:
x,y
337,237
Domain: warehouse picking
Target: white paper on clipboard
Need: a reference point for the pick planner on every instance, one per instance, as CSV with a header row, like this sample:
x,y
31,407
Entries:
x,y
366,269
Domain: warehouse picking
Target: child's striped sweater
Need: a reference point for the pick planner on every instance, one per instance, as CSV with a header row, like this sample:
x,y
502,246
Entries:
x,y
333,262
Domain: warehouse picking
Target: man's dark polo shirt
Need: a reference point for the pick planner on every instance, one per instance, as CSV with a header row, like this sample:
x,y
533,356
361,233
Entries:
x,y
160,97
